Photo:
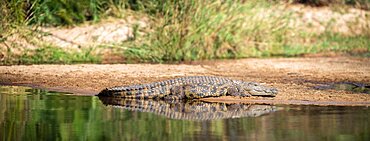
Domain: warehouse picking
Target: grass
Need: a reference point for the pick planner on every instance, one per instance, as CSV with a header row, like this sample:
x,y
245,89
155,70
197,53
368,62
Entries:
x,y
352,45
191,31
212,30
55,55
182,30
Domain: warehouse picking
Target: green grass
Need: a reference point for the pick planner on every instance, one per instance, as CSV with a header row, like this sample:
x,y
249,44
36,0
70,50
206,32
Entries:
x,y
180,30
191,30
55,55
327,43
57,12
195,30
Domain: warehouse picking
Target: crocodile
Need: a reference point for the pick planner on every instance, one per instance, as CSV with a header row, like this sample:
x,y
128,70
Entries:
x,y
191,87
189,109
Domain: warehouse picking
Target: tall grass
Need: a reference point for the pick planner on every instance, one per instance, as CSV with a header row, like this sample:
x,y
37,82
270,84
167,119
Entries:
x,y
183,30
19,20
57,12
12,16
64,12
192,30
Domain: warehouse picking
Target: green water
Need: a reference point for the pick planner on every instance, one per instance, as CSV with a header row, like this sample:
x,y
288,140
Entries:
x,y
32,114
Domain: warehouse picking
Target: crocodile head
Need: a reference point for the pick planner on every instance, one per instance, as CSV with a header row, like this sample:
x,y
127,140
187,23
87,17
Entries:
x,y
256,89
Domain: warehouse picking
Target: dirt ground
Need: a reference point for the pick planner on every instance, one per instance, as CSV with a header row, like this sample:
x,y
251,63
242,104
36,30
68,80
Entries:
x,y
295,78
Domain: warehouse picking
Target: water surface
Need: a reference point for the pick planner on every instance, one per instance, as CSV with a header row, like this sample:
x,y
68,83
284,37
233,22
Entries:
x,y
32,114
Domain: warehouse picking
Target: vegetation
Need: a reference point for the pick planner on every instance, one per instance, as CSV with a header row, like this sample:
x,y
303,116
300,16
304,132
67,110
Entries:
x,y
357,3
181,30
51,55
192,30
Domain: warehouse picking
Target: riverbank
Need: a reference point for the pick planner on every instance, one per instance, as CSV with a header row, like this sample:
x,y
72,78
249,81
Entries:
x,y
297,79
167,32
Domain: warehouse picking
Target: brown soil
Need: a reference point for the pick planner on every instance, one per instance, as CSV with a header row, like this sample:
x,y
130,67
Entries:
x,y
295,78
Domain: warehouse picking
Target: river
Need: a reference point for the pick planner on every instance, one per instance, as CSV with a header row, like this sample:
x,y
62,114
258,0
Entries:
x,y
34,114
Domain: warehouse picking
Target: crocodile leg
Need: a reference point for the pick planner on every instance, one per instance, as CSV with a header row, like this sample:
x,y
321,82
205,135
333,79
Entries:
x,y
176,92
237,91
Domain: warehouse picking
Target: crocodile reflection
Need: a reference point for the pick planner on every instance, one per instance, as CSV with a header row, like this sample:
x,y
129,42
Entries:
x,y
191,109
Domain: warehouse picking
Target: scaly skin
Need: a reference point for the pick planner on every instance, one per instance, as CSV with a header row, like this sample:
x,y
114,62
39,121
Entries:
x,y
192,87
190,109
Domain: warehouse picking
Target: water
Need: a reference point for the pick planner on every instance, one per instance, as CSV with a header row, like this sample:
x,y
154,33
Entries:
x,y
32,114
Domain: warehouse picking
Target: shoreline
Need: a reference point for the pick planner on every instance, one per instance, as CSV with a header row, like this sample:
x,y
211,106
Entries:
x,y
295,78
